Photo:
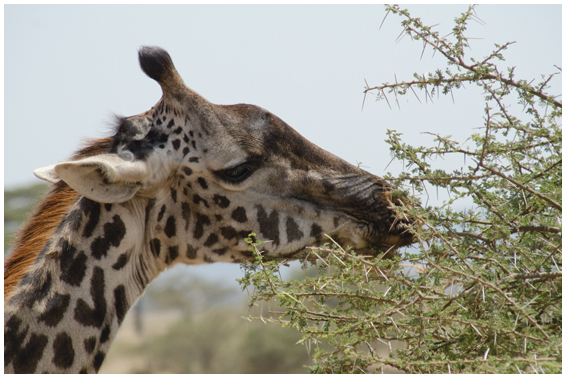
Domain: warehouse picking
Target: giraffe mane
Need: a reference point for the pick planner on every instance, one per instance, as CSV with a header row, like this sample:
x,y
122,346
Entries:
x,y
32,237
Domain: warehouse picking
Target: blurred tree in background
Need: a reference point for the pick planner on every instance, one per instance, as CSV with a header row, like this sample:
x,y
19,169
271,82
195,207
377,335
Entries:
x,y
207,335
484,294
18,205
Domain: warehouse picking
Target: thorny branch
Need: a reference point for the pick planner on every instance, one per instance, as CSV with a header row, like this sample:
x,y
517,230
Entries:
x,y
481,291
478,72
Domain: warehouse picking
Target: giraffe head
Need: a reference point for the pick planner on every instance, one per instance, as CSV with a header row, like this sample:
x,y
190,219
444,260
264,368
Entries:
x,y
209,175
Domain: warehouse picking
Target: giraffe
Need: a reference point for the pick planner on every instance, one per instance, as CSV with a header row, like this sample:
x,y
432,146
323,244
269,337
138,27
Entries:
x,y
184,182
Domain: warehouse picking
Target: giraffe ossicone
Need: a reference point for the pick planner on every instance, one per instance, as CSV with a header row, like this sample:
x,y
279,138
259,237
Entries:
x,y
184,182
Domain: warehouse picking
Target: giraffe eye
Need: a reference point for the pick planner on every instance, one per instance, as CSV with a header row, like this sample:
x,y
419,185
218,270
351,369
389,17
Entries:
x,y
240,172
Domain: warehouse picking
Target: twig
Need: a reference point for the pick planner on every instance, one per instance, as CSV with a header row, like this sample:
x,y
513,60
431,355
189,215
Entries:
x,y
549,200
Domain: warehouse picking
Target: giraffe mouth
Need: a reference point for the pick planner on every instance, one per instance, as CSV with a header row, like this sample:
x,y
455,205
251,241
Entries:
x,y
398,235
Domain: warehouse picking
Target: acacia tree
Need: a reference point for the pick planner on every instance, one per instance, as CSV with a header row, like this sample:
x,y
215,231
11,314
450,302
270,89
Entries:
x,y
485,287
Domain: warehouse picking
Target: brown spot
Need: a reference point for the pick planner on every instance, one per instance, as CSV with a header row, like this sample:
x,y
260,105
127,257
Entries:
x,y
172,254
113,234
228,232
64,353
221,201
188,171
170,228
56,307
239,214
99,358
315,230
120,303
161,213
212,239
203,183
220,251
121,261
191,252
198,199
90,344
186,213
269,224
202,221
292,230
94,316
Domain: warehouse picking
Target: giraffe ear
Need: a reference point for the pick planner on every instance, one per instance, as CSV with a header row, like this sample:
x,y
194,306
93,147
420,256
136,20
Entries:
x,y
47,174
106,178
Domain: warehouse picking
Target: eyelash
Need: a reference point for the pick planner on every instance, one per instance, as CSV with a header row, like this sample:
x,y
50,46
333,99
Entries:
x,y
242,171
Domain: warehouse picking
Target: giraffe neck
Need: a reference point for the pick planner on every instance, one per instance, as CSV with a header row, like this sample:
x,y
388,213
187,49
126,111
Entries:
x,y
68,307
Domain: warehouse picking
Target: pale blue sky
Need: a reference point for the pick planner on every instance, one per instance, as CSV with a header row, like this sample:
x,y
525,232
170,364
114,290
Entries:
x,y
67,69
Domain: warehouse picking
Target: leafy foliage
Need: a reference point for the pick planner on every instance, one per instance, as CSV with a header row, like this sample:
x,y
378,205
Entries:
x,y
483,291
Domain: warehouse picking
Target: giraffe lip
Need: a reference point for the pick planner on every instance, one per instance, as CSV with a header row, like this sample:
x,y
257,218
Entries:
x,y
397,239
